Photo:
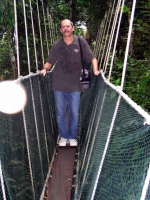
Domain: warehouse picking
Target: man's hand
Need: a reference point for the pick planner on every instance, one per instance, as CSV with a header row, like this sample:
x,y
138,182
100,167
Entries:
x,y
43,72
96,72
46,67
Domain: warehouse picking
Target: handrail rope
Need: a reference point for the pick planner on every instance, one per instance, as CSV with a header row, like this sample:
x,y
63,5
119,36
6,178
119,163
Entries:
x,y
116,39
28,153
45,28
44,126
2,182
41,42
88,135
27,42
146,185
134,105
33,32
111,11
111,36
128,44
106,146
16,38
36,129
104,24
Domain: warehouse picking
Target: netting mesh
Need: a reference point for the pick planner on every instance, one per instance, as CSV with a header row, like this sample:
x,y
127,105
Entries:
x,y
27,141
123,173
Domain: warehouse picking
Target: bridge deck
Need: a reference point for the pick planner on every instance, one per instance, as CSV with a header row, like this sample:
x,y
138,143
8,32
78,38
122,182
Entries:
x,y
60,184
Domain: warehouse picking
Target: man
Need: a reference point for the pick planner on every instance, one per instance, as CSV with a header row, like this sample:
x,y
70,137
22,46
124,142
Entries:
x,y
65,55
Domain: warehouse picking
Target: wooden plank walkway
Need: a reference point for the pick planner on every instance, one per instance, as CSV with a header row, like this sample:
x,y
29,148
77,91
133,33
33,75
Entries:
x,y
60,184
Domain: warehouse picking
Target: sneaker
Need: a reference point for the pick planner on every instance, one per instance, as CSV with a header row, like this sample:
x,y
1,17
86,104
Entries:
x,y
62,142
73,142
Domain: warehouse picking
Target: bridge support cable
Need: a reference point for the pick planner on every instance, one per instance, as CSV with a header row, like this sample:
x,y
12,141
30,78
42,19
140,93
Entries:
x,y
33,31
116,39
36,130
16,38
29,155
107,34
2,183
26,33
45,27
128,43
106,147
112,33
86,149
146,185
105,22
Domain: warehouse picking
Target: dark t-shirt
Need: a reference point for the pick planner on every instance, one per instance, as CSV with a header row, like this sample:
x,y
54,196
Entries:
x,y
67,71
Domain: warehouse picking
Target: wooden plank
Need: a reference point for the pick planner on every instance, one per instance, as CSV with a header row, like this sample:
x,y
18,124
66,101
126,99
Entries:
x,y
59,187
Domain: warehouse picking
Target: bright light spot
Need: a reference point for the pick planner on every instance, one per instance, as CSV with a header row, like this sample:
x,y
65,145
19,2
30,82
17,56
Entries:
x,y
12,97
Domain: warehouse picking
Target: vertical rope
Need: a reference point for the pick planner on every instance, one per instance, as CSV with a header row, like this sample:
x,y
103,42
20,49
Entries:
x,y
40,31
115,44
36,127
106,147
45,137
128,43
26,32
28,152
110,13
16,38
33,32
103,35
49,21
111,36
45,27
146,185
2,182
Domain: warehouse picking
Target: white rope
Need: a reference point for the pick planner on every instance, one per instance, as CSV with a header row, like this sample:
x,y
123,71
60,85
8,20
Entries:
x,y
16,38
128,43
106,147
49,17
26,33
45,136
40,32
111,36
146,185
36,129
33,32
28,152
88,136
129,100
2,182
103,36
111,11
115,44
45,28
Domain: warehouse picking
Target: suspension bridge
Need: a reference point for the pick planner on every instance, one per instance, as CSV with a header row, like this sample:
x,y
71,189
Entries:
x,y
112,161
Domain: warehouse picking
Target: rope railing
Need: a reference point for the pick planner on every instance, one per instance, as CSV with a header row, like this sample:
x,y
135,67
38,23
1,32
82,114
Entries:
x,y
113,153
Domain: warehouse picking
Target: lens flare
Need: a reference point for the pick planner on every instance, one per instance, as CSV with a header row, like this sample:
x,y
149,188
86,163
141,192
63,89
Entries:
x,y
12,97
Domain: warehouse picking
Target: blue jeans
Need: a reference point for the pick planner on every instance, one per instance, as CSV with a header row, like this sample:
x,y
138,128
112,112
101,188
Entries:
x,y
67,102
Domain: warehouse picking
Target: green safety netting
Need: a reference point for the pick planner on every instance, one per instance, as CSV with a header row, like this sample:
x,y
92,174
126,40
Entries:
x,y
27,141
122,174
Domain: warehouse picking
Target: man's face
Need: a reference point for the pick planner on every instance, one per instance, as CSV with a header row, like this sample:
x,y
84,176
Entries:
x,y
66,28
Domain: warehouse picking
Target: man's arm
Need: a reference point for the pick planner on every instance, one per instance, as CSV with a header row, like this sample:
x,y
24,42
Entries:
x,y
95,67
47,66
